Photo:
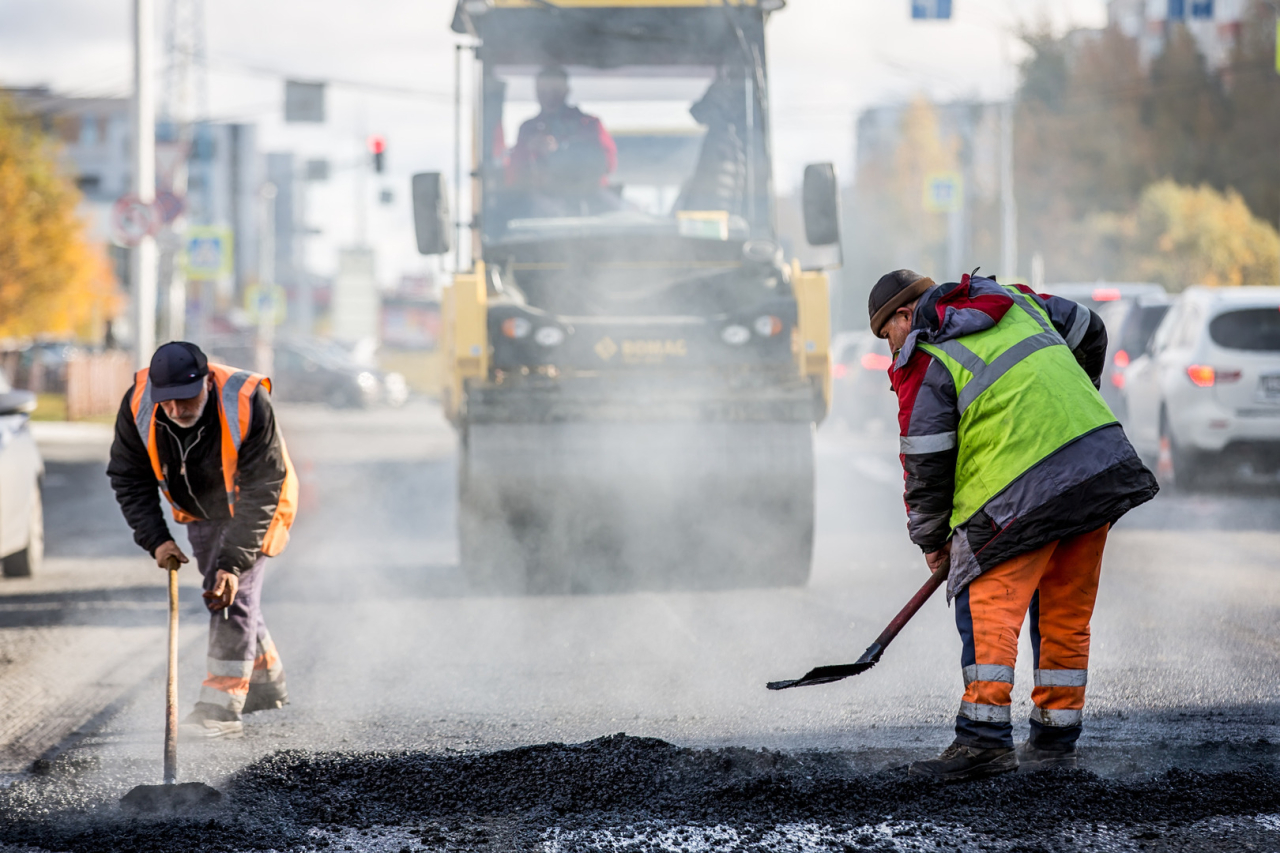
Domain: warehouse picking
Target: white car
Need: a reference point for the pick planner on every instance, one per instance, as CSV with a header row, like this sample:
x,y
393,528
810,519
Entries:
x,y
21,471
1206,393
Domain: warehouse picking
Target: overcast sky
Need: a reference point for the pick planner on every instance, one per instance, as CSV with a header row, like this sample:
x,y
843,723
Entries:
x,y
829,59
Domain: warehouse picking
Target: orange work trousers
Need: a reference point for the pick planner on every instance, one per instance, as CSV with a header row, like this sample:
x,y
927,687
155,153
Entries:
x,y
1056,585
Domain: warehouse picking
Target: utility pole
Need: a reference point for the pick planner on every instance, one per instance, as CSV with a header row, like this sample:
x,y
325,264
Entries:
x,y
264,354
457,157
1008,204
185,97
143,266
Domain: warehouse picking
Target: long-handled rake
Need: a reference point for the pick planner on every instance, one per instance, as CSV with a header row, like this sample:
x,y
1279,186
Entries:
x,y
171,796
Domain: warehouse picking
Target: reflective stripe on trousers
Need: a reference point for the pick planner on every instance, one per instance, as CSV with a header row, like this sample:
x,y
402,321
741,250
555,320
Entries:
x,y
1057,584
1061,677
228,682
241,652
1058,717
981,713
266,666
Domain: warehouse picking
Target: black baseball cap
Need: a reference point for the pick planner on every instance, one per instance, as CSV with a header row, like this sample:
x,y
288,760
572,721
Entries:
x,y
178,370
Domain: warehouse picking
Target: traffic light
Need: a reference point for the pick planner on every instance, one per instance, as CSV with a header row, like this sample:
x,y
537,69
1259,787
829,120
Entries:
x,y
378,148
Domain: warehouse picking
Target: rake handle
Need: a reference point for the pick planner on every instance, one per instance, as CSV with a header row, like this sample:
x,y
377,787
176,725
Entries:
x,y
171,687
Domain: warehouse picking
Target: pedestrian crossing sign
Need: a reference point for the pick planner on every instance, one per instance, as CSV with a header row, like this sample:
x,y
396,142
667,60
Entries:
x,y
209,252
943,192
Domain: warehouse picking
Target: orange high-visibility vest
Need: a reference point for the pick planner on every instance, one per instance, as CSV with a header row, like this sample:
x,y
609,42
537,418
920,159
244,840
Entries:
x,y
233,392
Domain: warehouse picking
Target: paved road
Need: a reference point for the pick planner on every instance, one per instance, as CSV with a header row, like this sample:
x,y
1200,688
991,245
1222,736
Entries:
x,y
385,650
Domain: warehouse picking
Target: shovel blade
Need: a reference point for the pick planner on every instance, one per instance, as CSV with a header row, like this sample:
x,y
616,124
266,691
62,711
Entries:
x,y
828,674
170,798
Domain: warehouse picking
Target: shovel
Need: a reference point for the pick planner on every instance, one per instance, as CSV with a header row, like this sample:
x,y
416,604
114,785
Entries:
x,y
171,796
828,674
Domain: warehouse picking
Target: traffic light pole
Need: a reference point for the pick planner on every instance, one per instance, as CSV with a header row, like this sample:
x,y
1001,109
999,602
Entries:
x,y
143,266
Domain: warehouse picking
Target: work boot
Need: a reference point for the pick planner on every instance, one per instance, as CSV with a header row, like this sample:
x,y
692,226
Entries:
x,y
207,722
1032,758
960,763
266,697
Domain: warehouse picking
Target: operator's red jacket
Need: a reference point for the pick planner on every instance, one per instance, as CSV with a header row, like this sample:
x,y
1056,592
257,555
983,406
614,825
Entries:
x,y
585,156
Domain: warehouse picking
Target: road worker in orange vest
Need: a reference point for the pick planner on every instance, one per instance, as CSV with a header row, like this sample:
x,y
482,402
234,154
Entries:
x,y
206,435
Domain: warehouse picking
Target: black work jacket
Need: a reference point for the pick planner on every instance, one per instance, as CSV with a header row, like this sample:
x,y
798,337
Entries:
x,y
192,462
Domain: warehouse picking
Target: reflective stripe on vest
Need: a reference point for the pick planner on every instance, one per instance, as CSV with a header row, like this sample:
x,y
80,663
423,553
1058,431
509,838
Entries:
x,y
1021,395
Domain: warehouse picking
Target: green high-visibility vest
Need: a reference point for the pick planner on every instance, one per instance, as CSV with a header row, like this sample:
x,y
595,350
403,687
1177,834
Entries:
x,y
1022,396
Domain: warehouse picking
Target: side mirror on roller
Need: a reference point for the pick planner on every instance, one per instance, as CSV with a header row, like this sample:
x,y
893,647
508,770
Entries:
x,y
821,198
431,220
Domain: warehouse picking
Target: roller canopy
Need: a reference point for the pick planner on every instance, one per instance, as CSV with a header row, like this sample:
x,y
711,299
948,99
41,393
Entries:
x,y
609,37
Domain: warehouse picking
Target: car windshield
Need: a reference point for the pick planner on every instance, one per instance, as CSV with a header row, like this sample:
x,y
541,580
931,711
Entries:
x,y
582,151
1253,329
1141,326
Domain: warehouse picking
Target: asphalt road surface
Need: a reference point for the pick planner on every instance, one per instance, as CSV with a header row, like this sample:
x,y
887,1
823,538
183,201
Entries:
x,y
417,709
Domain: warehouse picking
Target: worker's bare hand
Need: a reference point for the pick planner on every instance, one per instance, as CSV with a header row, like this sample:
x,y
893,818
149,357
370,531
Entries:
x,y
225,587
167,551
939,558
545,144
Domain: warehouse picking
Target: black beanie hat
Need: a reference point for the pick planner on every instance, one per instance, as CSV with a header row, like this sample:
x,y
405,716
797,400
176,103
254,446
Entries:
x,y
891,292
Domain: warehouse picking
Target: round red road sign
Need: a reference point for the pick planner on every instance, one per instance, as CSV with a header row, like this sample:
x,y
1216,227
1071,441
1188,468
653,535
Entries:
x,y
131,220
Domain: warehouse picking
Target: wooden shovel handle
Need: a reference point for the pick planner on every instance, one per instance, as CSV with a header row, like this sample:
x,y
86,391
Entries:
x,y
935,580
171,696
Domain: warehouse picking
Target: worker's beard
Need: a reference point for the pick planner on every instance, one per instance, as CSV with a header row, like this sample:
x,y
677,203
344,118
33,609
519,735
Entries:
x,y
188,421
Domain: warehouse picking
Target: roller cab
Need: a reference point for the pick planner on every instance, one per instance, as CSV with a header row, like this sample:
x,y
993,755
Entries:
x,y
633,365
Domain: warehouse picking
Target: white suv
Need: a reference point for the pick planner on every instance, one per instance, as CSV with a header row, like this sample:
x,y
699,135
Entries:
x,y
1206,394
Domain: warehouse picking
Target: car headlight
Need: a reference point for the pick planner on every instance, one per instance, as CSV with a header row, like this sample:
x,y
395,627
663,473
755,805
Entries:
x,y
735,335
549,336
367,381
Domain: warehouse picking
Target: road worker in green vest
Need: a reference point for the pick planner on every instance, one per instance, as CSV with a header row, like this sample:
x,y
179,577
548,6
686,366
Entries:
x,y
1015,470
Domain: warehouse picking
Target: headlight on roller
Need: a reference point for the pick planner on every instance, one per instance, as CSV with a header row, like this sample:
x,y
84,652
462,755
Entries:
x,y
549,336
767,325
516,327
735,335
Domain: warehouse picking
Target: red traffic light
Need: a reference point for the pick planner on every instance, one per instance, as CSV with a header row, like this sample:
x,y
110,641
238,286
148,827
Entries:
x,y
377,144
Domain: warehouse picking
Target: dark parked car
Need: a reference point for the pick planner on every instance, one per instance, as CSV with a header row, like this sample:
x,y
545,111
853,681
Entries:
x,y
1130,325
1099,293
313,371
42,366
860,391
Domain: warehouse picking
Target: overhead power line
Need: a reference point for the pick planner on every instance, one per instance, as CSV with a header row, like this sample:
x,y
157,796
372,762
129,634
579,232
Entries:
x,y
229,63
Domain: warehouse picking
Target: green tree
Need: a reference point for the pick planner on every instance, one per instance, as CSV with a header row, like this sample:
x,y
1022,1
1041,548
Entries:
x,y
53,280
1250,146
1185,112
1081,146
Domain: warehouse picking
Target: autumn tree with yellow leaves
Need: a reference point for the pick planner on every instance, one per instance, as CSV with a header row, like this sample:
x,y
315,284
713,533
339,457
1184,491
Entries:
x,y
1180,235
53,279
